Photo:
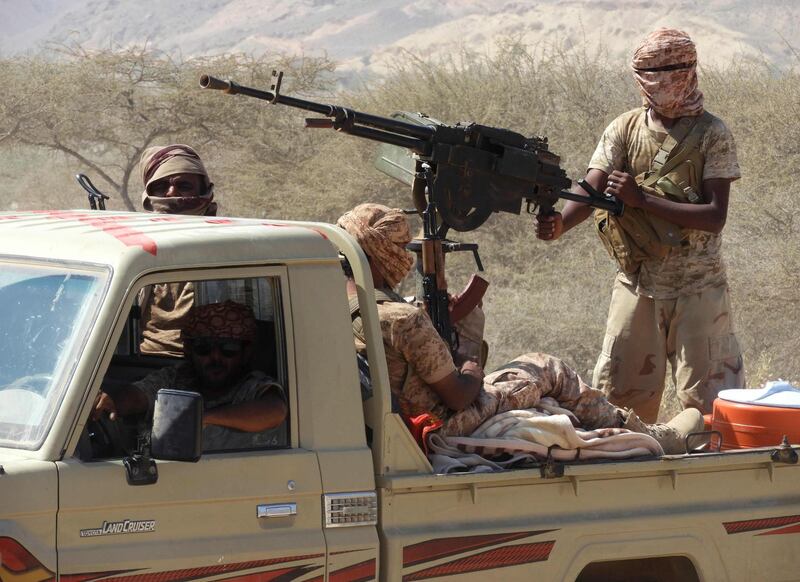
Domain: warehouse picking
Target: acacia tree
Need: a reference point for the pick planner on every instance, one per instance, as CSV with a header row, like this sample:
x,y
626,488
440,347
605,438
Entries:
x,y
103,108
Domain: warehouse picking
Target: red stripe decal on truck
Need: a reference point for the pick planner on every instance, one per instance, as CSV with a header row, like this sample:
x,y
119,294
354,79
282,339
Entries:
x,y
110,225
360,572
286,573
504,557
734,527
444,547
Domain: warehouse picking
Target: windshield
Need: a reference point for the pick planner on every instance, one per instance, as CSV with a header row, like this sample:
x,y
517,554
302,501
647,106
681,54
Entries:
x,y
45,313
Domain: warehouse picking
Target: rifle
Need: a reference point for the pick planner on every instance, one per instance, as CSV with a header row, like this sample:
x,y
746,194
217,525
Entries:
x,y
459,174
97,200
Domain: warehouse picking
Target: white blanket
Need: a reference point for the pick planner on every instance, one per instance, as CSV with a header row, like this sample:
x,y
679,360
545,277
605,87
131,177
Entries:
x,y
530,435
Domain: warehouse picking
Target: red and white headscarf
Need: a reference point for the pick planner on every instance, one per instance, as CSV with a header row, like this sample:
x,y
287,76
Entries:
x,y
665,67
161,161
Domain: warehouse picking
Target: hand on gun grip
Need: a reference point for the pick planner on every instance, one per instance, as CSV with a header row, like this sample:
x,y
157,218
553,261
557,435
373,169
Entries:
x,y
549,226
470,368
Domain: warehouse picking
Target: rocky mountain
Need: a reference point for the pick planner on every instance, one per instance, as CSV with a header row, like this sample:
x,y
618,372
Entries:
x,y
364,34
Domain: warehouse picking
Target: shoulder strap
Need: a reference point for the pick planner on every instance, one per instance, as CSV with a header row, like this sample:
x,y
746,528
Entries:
x,y
683,139
381,296
676,135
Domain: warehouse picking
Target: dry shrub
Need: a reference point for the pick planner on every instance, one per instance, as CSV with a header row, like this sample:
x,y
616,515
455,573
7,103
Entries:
x,y
544,297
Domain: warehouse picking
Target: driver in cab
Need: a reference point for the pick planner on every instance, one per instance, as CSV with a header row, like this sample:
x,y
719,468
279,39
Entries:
x,y
243,408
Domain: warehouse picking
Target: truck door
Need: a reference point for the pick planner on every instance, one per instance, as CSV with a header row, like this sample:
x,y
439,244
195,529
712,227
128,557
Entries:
x,y
243,513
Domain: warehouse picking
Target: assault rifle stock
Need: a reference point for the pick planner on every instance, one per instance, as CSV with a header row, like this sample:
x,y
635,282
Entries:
x,y
459,174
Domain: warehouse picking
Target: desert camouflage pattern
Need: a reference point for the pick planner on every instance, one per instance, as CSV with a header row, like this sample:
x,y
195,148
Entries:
x,y
417,356
629,145
523,383
672,93
165,307
383,234
695,333
161,161
221,320
252,386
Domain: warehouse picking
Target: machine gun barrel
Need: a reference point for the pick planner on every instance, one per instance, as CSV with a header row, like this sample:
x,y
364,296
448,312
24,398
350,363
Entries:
x,y
373,127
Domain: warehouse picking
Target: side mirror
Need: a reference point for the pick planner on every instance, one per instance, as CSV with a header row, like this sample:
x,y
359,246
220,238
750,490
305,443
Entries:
x,y
177,426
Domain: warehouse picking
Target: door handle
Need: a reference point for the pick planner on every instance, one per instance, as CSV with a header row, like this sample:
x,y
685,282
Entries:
x,y
276,510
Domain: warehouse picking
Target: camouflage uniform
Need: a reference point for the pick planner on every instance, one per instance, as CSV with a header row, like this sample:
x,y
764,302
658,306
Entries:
x,y
676,307
251,387
417,356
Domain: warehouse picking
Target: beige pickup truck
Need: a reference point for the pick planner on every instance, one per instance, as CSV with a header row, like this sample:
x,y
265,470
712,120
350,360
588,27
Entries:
x,y
344,492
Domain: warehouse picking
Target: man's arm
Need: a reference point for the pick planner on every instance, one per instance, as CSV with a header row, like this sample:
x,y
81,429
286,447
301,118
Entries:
x,y
424,350
461,387
709,216
129,400
266,412
552,226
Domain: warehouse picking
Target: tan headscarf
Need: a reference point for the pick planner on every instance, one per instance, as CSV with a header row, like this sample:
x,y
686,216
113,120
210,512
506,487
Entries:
x,y
161,161
667,87
383,234
229,320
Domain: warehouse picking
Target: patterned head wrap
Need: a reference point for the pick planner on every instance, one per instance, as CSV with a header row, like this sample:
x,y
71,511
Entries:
x,y
665,67
383,234
220,320
161,161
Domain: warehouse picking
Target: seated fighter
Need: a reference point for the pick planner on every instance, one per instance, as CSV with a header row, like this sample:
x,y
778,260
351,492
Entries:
x,y
425,378
243,408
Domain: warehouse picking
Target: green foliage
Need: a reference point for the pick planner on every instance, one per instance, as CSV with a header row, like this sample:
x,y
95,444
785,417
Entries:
x,y
103,108
544,297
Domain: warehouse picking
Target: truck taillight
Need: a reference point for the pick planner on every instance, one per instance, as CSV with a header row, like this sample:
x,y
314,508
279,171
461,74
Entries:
x,y
16,558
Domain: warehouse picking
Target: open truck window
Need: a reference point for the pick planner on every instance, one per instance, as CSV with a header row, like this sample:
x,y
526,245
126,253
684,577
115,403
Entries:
x,y
230,370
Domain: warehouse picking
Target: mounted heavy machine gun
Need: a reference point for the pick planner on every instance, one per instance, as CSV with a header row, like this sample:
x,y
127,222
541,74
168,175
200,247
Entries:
x,y
459,175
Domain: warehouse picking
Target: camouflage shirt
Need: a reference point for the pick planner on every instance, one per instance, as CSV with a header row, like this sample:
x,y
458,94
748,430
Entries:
x,y
416,356
218,438
629,145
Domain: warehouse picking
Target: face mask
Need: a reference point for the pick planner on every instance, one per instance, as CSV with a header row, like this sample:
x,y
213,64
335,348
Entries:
x,y
189,206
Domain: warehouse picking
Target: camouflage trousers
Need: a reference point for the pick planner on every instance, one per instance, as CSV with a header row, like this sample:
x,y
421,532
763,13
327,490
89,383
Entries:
x,y
694,333
522,383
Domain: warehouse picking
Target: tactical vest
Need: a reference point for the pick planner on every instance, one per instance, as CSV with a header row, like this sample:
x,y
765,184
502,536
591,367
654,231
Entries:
x,y
676,173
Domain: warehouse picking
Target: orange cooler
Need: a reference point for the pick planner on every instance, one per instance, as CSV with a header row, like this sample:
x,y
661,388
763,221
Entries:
x,y
750,418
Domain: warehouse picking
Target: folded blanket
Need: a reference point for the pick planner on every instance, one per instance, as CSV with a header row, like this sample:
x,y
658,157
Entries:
x,y
530,435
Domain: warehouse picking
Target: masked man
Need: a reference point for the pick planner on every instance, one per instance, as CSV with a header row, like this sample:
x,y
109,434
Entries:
x,y
175,182
671,163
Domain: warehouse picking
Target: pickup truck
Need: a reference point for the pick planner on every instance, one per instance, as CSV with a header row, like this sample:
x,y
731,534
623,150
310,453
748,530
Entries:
x,y
347,493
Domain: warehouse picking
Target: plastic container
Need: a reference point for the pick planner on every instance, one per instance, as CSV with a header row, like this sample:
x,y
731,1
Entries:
x,y
757,418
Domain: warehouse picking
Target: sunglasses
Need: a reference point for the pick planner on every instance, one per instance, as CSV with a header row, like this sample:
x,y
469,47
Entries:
x,y
183,186
228,348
